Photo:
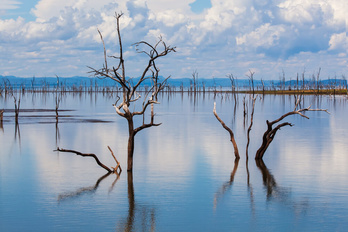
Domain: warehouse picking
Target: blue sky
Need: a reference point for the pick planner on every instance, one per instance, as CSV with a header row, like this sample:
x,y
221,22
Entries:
x,y
214,37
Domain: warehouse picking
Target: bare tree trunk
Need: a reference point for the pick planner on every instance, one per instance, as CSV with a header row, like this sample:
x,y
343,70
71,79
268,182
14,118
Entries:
x,y
130,151
268,137
131,202
1,116
16,108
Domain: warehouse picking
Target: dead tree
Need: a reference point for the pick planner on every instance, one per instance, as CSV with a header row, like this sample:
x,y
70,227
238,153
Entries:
x,y
130,93
195,81
58,99
270,133
251,80
236,153
17,106
116,169
233,86
1,119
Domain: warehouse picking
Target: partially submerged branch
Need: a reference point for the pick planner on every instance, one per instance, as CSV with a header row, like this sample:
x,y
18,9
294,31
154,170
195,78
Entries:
x,y
114,170
118,165
236,153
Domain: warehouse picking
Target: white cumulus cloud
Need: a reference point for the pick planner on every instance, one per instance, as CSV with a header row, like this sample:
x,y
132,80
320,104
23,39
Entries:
x,y
339,42
228,35
264,36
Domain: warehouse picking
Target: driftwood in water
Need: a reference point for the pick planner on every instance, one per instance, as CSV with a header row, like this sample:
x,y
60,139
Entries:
x,y
236,152
112,169
268,136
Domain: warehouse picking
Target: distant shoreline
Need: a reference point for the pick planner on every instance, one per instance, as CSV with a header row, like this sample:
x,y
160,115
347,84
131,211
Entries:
x,y
184,85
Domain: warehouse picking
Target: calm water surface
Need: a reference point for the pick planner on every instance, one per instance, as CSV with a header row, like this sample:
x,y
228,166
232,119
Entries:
x,y
185,177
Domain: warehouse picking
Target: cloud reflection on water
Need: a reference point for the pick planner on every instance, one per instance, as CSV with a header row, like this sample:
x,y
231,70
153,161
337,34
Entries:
x,y
185,161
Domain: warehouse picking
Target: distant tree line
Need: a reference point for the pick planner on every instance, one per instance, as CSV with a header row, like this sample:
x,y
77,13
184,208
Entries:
x,y
310,84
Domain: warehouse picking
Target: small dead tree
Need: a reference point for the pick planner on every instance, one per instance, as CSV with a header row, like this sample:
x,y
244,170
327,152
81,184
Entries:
x,y
271,131
17,106
195,81
236,152
58,99
233,81
250,126
251,80
129,89
1,119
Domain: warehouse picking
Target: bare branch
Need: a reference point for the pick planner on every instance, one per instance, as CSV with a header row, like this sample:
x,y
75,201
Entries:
x,y
86,154
144,126
236,153
118,165
106,62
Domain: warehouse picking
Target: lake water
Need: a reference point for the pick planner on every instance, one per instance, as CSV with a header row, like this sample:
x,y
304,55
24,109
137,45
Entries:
x,y
185,177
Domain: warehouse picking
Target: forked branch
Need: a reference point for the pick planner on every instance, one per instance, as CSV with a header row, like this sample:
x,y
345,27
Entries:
x,y
270,133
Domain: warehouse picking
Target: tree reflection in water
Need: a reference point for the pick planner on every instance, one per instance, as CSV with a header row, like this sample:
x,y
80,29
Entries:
x,y
274,192
85,190
227,185
140,217
278,193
